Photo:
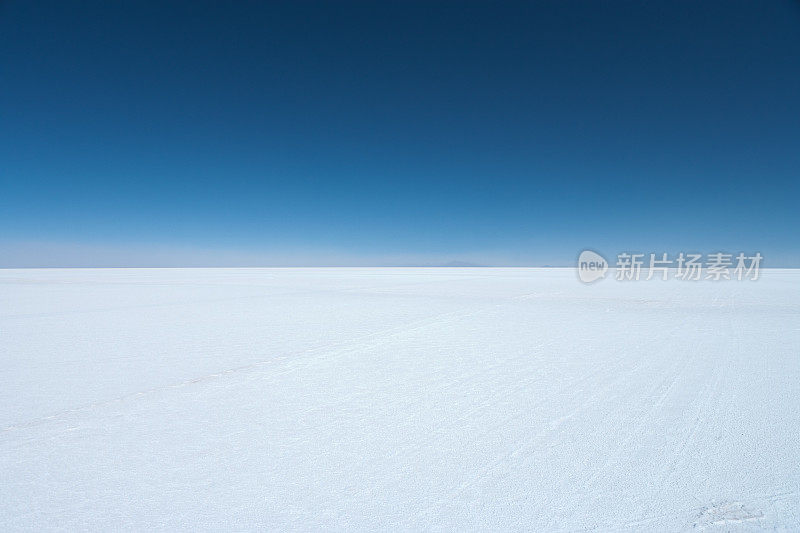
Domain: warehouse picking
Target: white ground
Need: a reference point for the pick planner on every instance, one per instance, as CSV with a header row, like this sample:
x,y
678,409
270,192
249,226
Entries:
x,y
396,399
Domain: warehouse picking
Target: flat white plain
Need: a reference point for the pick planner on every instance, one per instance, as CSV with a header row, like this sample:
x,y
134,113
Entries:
x,y
397,399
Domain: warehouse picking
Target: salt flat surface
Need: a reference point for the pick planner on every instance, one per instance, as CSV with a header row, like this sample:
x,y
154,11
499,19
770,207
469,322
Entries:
x,y
397,399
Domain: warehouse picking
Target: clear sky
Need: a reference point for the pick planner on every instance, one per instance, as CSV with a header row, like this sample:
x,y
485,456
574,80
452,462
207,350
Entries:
x,y
138,133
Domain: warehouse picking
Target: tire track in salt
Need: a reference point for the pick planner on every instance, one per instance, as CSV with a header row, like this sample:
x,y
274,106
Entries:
x,y
553,427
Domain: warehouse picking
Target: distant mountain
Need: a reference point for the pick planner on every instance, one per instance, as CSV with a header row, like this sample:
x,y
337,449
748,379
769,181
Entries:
x,y
460,264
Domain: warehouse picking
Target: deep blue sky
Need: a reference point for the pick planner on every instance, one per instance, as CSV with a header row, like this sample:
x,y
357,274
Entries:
x,y
169,133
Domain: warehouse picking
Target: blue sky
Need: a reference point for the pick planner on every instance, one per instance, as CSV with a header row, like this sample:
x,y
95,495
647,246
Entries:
x,y
255,133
